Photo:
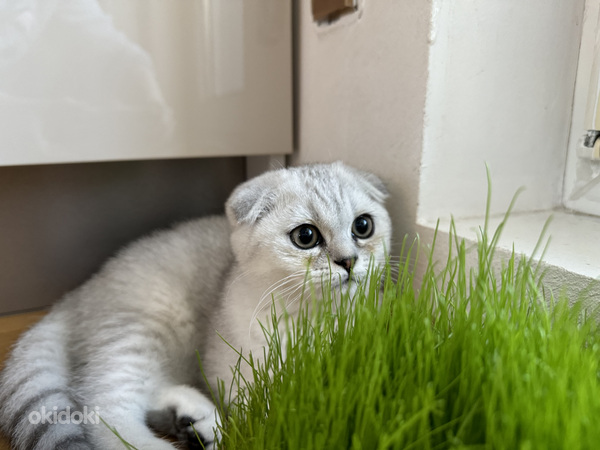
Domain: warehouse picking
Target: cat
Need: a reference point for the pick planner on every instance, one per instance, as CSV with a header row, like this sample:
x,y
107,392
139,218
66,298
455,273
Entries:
x,y
122,347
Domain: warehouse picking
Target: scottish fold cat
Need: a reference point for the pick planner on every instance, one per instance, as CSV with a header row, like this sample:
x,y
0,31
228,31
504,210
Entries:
x,y
122,347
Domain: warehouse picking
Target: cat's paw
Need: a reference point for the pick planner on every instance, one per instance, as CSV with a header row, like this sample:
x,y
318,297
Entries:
x,y
198,434
183,412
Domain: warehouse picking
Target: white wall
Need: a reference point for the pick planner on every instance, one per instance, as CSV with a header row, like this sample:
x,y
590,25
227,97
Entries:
x,y
500,90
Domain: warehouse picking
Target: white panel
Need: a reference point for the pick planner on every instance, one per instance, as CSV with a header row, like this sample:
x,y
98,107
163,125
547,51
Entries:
x,y
228,44
85,80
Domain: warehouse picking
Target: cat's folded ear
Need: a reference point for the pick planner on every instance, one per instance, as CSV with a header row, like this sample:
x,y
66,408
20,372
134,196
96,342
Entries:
x,y
252,200
372,184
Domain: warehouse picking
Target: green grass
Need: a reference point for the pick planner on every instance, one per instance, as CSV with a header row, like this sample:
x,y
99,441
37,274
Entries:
x,y
466,358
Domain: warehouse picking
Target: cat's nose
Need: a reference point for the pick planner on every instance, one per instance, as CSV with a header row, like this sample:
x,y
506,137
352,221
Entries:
x,y
347,263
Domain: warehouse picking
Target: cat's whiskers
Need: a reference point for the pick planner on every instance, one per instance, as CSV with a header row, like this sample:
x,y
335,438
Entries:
x,y
297,295
242,275
280,283
237,279
289,290
266,298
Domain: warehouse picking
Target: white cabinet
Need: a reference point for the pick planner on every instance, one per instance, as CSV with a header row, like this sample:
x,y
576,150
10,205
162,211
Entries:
x,y
97,80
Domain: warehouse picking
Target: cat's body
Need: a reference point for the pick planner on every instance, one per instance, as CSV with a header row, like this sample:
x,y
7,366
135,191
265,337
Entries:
x,y
125,342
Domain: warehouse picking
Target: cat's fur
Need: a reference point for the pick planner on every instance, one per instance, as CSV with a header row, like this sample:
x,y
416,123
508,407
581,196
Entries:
x,y
125,341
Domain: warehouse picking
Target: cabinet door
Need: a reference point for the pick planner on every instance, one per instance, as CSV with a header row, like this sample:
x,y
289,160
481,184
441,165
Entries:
x,y
94,80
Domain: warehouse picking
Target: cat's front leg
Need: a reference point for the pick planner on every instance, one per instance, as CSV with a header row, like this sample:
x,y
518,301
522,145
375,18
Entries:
x,y
185,413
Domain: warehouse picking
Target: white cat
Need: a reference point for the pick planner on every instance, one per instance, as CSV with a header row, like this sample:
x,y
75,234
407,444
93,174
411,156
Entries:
x,y
123,344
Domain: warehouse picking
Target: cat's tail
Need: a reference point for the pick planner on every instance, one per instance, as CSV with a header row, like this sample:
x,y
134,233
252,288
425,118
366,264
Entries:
x,y
37,409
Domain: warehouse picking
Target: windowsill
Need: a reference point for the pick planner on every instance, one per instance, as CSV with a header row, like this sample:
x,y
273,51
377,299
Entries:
x,y
572,257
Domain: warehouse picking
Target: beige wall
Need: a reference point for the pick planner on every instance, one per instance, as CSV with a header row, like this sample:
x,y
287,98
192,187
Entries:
x,y
361,95
59,223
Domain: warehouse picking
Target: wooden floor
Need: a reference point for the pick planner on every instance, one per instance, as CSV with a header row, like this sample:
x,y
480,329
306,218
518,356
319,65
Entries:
x,y
10,329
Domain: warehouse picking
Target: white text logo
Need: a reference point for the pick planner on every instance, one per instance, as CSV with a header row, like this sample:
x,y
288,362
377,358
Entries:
x,y
65,416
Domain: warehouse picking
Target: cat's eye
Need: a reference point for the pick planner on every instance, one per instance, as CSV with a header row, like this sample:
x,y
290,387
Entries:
x,y
305,236
363,227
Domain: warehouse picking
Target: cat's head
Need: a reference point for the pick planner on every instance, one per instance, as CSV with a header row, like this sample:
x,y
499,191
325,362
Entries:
x,y
324,220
